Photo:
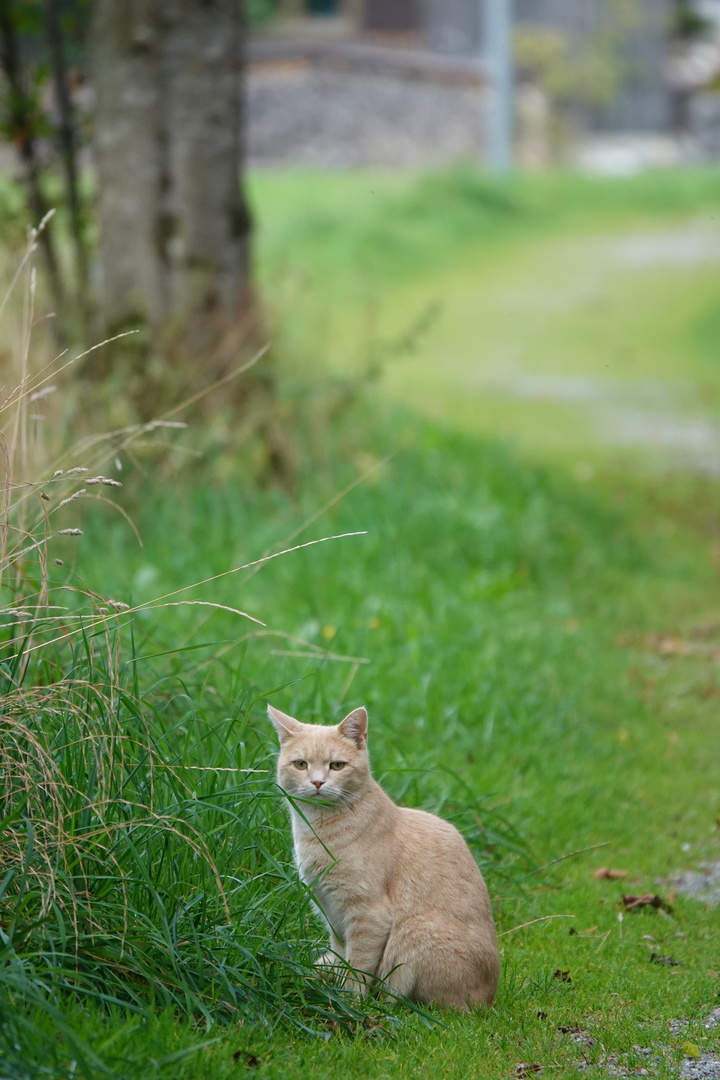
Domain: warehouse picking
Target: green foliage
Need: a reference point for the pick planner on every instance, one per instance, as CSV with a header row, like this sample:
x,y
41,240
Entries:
x,y
579,69
687,21
258,12
570,75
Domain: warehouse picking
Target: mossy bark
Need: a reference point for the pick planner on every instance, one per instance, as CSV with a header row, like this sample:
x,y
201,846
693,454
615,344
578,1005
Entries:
x,y
174,246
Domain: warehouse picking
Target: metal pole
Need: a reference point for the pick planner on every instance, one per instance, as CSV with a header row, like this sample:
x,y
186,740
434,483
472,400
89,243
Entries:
x,y
497,37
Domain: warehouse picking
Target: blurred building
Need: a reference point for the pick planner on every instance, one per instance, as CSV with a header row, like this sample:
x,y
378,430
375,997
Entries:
x,y
453,28
643,102
344,83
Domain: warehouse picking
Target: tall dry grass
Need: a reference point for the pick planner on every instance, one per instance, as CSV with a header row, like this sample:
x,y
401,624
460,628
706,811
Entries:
x,y
143,850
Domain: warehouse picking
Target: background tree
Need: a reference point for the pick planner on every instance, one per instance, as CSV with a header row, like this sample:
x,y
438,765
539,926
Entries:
x,y
174,229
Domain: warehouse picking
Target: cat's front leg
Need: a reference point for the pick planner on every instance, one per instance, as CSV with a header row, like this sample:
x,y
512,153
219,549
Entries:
x,y
366,940
336,954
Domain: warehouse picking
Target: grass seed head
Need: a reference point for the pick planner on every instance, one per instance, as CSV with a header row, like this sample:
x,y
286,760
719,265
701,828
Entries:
x,y
71,498
118,605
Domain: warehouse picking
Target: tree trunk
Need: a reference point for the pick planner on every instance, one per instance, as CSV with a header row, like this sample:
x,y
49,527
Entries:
x,y
174,226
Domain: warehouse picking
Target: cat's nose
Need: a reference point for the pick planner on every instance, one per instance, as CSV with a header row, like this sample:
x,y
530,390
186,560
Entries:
x,y
317,784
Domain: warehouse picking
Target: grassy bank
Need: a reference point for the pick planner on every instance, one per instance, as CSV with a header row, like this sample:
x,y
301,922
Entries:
x,y
537,649
504,626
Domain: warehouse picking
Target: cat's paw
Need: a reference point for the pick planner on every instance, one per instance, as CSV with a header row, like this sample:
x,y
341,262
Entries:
x,y
357,986
329,966
328,959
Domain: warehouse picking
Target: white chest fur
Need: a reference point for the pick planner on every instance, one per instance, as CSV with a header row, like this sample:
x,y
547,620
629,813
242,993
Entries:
x,y
339,886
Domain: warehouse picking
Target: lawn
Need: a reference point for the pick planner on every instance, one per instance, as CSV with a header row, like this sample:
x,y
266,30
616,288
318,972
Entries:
x,y
536,644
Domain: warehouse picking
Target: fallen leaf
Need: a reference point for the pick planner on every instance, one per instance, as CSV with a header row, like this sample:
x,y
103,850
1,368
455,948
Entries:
x,y
566,1029
606,873
632,903
542,1016
564,976
691,1050
668,961
714,974
523,1069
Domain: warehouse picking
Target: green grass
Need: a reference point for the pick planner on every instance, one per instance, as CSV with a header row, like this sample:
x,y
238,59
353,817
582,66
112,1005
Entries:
x,y
533,310
508,618
500,619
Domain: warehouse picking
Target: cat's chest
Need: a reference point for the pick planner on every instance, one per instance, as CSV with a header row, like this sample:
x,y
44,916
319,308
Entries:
x,y
338,871
317,859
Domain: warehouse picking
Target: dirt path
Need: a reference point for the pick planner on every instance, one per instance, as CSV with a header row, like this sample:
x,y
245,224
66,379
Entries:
x,y
579,346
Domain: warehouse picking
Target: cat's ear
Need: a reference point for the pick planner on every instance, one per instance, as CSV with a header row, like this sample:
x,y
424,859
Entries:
x,y
354,727
286,726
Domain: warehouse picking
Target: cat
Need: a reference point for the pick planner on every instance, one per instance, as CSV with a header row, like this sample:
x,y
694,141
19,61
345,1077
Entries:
x,y
402,896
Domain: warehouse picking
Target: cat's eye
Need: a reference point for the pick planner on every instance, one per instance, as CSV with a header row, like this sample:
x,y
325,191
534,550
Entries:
x,y
300,764
336,765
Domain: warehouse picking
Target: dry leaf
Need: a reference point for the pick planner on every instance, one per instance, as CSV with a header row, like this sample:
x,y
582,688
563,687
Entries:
x,y
632,903
668,961
564,976
605,873
523,1069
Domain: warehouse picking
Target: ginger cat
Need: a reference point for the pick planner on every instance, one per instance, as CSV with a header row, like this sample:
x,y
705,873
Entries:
x,y
402,896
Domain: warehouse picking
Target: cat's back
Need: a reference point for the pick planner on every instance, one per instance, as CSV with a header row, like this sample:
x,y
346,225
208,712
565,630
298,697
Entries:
x,y
436,868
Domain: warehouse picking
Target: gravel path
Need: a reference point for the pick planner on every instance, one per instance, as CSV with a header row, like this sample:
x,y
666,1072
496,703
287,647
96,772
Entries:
x,y
702,884
703,1065
706,1067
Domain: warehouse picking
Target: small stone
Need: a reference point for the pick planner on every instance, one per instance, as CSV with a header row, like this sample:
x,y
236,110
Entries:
x,y
706,1067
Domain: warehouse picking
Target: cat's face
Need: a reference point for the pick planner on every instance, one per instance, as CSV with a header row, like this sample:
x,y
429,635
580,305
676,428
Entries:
x,y
322,764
